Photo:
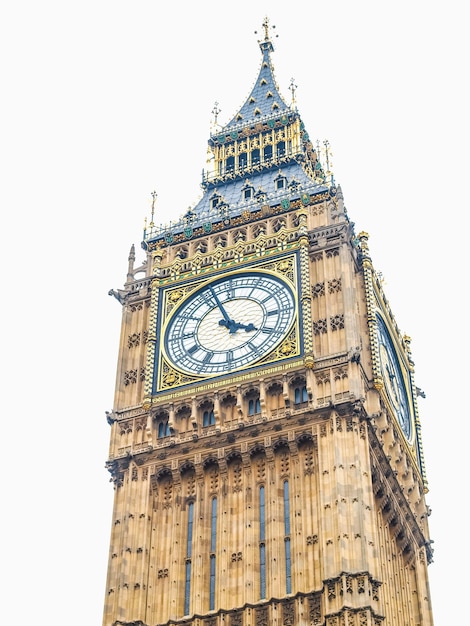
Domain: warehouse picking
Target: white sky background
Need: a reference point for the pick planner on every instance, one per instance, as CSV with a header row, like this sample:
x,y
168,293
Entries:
x,y
103,102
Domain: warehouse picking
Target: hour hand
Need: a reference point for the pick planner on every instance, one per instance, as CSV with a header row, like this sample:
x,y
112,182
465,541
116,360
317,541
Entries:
x,y
247,327
234,326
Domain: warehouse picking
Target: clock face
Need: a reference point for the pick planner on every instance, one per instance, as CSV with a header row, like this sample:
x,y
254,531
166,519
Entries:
x,y
229,323
393,379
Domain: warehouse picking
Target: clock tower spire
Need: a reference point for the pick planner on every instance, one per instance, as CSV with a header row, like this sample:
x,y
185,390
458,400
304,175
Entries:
x,y
265,442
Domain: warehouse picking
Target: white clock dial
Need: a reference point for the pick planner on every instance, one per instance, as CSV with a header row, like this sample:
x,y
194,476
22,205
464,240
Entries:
x,y
229,323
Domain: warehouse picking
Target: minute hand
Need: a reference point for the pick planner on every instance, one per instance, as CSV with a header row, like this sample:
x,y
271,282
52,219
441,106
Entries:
x,y
227,322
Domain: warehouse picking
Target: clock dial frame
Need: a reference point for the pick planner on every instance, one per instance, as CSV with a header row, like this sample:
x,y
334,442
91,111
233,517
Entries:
x,y
394,379
229,323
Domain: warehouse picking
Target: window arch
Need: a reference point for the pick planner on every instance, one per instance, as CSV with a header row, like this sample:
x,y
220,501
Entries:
x,y
279,223
207,412
208,418
228,404
182,252
252,397
162,424
183,415
299,390
163,429
300,394
254,406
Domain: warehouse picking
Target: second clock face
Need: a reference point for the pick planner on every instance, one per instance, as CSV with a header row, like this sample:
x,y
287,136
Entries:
x,y
393,379
229,323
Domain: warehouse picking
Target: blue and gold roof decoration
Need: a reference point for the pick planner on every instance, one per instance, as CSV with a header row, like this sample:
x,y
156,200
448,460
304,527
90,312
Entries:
x,y
262,161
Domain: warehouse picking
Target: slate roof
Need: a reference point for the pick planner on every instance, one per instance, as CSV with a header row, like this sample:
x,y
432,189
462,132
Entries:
x,y
263,94
257,109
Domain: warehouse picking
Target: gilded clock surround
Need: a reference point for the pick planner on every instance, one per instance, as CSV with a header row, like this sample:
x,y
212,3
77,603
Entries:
x,y
306,499
171,376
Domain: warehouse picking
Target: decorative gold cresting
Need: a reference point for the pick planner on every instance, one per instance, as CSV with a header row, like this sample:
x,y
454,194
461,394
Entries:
x,y
305,294
152,334
371,308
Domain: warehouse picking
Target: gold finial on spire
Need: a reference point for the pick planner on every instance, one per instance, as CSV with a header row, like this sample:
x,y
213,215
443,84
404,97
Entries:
x,y
292,88
215,112
265,26
154,198
328,154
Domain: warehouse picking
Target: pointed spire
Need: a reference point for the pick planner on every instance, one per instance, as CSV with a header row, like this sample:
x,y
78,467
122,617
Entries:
x,y
264,101
131,261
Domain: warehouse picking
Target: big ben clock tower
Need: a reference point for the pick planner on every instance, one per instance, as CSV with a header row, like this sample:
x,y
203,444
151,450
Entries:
x,y
265,442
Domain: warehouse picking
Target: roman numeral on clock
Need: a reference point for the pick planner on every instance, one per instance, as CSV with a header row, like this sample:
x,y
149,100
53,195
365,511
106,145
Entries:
x,y
271,331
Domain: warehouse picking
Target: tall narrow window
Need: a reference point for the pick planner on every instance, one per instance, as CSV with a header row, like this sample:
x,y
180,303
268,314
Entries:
x,y
189,548
262,543
230,164
300,395
281,149
287,538
212,555
208,418
163,430
242,159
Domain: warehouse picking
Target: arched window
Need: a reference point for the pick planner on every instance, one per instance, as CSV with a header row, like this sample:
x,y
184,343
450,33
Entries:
x,y
208,418
163,429
254,406
300,394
